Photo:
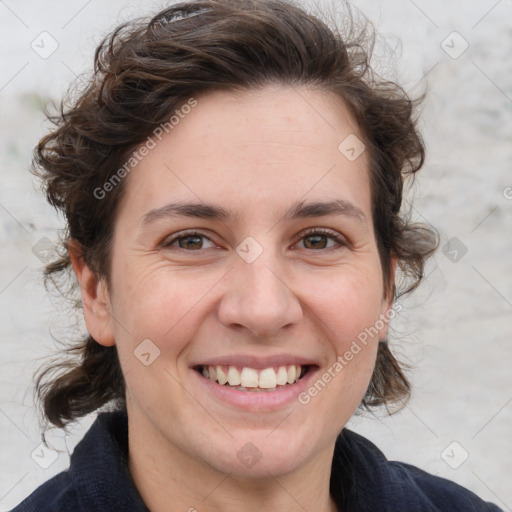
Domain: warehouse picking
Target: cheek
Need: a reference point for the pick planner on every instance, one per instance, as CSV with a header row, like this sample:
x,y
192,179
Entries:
x,y
348,304
159,305
347,309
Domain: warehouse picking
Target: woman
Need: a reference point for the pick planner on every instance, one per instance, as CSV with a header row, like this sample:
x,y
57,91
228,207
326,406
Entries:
x,y
232,181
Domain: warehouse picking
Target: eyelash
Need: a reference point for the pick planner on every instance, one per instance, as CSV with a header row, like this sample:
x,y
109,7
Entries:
x,y
311,231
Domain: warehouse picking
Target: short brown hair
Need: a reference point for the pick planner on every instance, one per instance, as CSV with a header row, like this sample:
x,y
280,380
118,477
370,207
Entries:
x,y
143,72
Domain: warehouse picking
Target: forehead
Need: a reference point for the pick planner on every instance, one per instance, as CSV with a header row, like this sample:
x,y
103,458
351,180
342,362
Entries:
x,y
256,151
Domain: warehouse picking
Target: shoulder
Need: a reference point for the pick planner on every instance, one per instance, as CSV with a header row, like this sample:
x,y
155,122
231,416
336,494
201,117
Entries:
x,y
396,486
440,492
98,479
55,495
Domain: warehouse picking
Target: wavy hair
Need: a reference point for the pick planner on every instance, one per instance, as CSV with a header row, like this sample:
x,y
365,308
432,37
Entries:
x,y
147,69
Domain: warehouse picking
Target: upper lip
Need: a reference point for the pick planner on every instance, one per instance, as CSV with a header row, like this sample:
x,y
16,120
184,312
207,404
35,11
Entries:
x,y
256,362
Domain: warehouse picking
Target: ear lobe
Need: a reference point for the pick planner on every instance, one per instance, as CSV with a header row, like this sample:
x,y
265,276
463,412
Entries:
x,y
95,298
392,279
387,300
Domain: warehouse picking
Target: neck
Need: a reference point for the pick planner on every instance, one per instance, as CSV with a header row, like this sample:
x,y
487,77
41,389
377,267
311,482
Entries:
x,y
169,475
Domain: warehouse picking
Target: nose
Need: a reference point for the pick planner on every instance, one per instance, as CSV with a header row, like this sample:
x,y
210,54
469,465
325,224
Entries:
x,y
259,299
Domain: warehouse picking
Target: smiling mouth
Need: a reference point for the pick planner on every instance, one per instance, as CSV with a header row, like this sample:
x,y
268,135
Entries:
x,y
255,380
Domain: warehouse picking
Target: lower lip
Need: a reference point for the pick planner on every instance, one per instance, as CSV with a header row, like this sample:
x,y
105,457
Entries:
x,y
260,401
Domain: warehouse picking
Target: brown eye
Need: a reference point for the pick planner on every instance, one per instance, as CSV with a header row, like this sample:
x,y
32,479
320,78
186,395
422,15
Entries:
x,y
190,241
323,239
315,241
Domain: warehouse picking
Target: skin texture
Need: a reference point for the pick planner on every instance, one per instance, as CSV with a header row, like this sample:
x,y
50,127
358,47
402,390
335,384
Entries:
x,y
256,153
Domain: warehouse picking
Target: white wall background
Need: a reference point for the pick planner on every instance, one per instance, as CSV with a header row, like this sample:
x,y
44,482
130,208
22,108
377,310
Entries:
x,y
456,330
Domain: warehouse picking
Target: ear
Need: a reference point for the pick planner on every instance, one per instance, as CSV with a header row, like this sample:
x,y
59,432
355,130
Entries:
x,y
387,300
95,298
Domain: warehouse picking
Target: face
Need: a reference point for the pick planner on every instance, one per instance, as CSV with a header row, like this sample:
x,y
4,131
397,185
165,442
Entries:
x,y
243,249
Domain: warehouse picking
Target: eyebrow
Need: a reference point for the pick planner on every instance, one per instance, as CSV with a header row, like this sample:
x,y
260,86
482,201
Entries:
x,y
300,210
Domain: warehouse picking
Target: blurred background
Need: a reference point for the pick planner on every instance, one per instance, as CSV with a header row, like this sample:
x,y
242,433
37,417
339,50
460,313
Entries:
x,y
455,331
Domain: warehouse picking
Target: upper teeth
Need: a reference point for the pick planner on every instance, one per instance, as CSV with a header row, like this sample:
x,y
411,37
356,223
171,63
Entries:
x,y
267,378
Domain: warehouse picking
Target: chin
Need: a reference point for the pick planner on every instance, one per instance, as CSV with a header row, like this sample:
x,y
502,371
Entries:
x,y
255,455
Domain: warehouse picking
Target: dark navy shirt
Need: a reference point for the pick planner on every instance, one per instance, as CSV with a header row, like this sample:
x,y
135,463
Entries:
x,y
362,479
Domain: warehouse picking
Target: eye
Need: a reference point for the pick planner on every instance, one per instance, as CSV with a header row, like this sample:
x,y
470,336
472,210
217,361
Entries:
x,y
189,240
315,238
318,239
